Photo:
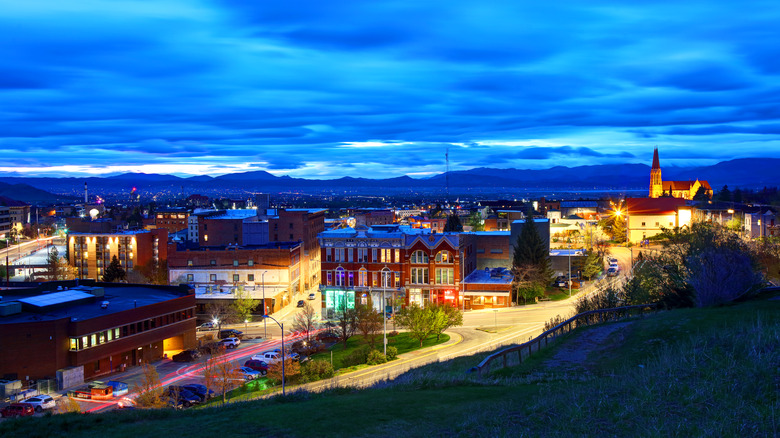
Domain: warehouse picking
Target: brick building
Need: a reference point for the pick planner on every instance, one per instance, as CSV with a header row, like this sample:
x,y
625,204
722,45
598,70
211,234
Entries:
x,y
271,271
488,288
301,225
98,328
408,264
172,219
90,253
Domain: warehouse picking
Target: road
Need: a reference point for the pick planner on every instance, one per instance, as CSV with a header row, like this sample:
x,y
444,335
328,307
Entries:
x,y
482,330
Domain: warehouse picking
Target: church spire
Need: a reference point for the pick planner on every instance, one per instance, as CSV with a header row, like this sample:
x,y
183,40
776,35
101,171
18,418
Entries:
x,y
656,162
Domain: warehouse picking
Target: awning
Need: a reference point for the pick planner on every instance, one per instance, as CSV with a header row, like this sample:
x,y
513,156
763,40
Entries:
x,y
480,293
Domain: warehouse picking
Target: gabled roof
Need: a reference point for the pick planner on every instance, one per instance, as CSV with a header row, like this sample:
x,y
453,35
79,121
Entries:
x,y
677,185
432,240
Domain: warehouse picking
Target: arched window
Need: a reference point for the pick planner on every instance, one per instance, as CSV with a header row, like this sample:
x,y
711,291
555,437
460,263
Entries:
x,y
444,257
340,277
362,277
419,257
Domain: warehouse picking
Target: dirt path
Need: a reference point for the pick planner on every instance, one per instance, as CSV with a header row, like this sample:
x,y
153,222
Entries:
x,y
574,353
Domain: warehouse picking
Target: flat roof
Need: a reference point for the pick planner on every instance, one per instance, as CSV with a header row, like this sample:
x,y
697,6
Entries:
x,y
493,276
45,300
119,299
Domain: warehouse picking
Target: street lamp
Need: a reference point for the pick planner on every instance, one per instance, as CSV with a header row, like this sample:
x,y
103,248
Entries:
x,y
265,311
281,326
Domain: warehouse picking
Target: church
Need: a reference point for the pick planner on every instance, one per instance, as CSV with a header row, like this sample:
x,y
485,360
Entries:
x,y
676,189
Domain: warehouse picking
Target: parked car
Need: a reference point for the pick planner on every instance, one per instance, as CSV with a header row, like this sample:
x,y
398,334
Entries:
x,y
257,365
126,403
41,402
181,396
306,348
612,272
248,373
199,390
186,356
207,326
301,303
230,342
312,296
268,357
18,410
230,333
327,337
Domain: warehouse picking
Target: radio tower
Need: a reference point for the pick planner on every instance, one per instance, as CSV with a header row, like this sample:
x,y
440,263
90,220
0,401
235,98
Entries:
x,y
447,174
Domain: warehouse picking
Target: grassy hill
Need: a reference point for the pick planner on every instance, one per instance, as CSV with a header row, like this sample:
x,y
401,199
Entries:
x,y
691,372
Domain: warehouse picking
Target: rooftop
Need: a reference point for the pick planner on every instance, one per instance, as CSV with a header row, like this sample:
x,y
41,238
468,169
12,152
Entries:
x,y
490,276
40,303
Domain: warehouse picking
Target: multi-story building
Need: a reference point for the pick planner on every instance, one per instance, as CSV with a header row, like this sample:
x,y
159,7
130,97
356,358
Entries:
x,y
86,329
271,272
405,264
18,211
301,225
646,217
373,216
5,222
91,253
224,228
172,219
433,224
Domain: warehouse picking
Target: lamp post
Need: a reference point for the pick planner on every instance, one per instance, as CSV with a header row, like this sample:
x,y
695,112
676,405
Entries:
x,y
569,272
265,311
281,326
385,273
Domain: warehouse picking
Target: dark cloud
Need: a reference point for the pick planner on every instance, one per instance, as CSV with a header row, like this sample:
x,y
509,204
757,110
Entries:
x,y
385,86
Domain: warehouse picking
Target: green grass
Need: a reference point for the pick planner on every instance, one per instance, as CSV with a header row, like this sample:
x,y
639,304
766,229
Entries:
x,y
704,372
402,342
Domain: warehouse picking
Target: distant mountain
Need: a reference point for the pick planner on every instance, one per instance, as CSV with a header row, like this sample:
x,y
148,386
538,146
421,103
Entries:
x,y
29,194
746,172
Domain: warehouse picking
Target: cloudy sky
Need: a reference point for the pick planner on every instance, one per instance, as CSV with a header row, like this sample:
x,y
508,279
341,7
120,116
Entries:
x,y
323,89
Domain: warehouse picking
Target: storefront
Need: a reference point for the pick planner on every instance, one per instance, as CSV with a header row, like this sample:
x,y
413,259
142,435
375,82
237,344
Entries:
x,y
488,289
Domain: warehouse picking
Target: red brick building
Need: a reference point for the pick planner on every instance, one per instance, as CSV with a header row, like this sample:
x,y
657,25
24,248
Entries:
x,y
301,225
172,219
97,327
410,265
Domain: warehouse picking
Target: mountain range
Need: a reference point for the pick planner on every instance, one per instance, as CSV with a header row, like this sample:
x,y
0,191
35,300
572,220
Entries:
x,y
745,172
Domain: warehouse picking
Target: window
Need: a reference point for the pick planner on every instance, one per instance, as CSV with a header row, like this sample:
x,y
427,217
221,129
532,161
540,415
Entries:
x,y
236,277
250,277
419,257
351,279
190,277
656,224
213,277
189,262
444,257
235,262
445,276
330,278
397,279
398,256
374,258
74,344
362,277
205,237
419,276
643,224
92,340
328,254
340,277
213,263
384,255
496,251
250,262
339,255
362,255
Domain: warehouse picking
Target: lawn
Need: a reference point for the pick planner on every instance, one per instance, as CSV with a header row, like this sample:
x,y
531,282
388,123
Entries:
x,y
403,342
690,372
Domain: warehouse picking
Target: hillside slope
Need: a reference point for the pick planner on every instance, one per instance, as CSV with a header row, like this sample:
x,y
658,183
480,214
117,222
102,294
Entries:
x,y
692,372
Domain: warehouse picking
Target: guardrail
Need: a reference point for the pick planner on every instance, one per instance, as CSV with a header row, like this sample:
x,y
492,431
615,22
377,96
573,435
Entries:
x,y
581,319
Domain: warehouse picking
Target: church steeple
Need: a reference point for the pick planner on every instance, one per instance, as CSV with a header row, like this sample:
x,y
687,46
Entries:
x,y
656,183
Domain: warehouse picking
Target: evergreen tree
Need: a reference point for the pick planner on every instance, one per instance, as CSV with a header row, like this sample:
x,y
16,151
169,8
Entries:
x,y
475,221
113,271
701,195
724,194
453,223
593,264
738,196
530,250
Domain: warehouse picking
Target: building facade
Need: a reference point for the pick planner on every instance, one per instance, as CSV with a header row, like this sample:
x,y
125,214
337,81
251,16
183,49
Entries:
x,y
91,253
646,217
98,328
675,189
172,219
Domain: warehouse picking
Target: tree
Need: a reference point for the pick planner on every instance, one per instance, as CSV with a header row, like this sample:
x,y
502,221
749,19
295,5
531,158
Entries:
x,y
531,256
306,320
369,322
222,312
724,194
291,370
149,390
243,305
475,222
528,282
114,271
453,224
346,324
445,316
593,264
155,272
418,321
57,268
701,195
222,374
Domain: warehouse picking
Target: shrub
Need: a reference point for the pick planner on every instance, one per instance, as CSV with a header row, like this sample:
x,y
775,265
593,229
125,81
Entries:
x,y
392,334
375,357
392,352
316,370
358,356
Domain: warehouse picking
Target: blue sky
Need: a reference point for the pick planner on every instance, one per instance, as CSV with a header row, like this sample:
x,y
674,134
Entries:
x,y
383,88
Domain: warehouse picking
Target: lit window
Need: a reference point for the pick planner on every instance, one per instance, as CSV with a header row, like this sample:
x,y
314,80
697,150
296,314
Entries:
x,y
235,262
235,277
205,237
74,344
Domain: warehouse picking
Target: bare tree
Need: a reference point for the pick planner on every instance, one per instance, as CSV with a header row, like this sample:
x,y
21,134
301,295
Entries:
x,y
222,312
346,324
368,322
150,393
306,320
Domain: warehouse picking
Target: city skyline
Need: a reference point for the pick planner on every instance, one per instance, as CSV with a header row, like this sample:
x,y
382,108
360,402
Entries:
x,y
317,90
